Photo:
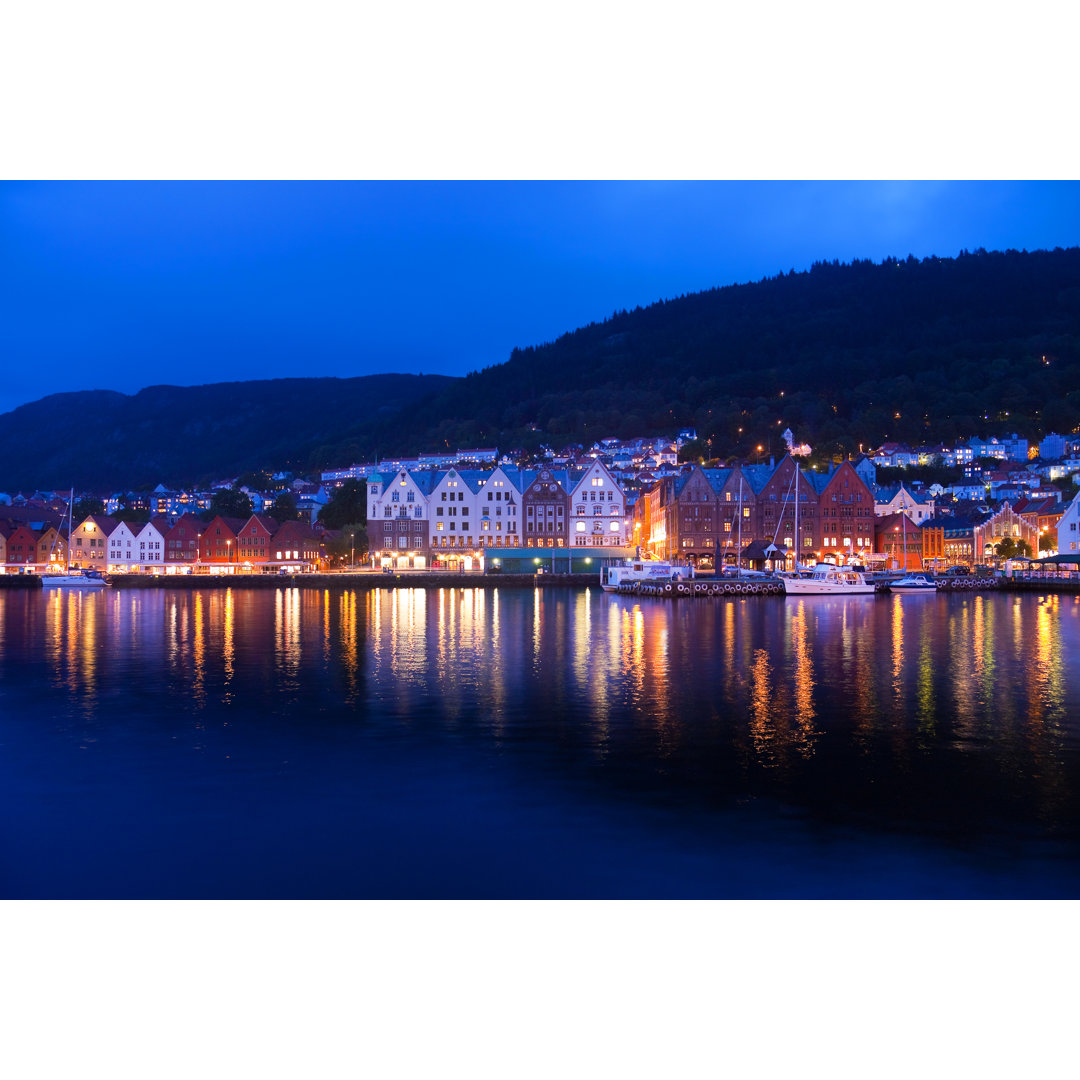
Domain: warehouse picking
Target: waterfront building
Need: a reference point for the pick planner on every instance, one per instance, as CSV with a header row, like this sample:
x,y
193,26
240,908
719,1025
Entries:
x,y
150,544
948,540
253,540
545,508
454,522
693,515
736,499
901,542
787,487
845,514
21,547
598,508
89,545
296,546
1005,523
398,518
217,544
1068,531
1044,512
122,555
51,548
182,542
499,503
896,500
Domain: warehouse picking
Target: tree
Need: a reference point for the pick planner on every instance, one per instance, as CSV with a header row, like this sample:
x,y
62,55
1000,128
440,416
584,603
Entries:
x,y
693,450
228,502
140,517
1047,542
1023,548
349,546
347,504
84,508
284,508
1006,548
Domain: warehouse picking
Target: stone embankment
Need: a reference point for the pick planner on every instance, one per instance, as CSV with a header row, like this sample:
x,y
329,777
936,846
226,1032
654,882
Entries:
x,y
410,579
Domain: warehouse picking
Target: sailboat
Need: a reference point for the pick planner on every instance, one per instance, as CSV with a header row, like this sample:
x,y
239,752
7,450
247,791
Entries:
x,y
71,579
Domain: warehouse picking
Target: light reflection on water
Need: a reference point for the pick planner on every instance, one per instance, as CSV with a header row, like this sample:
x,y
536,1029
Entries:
x,y
882,704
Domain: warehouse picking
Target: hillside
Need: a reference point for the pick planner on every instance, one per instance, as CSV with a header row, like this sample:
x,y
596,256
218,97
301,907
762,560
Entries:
x,y
181,435
843,354
912,350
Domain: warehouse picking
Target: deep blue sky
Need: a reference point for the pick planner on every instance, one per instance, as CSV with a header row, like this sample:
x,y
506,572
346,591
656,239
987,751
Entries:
x,y
125,285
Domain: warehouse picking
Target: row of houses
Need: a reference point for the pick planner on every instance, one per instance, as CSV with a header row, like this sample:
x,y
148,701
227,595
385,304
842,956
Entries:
x,y
172,502
764,515
761,514
1051,448
161,546
458,517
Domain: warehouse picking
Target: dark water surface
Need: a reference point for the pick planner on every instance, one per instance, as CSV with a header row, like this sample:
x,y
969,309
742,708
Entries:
x,y
554,743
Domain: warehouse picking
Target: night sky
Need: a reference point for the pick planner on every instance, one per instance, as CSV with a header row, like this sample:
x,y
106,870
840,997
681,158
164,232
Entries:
x,y
125,285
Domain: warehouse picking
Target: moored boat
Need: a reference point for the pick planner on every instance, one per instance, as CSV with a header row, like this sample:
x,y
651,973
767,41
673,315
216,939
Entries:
x,y
913,583
68,578
829,580
611,577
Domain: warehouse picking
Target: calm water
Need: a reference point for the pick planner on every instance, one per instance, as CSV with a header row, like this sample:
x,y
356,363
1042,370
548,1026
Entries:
x,y
563,743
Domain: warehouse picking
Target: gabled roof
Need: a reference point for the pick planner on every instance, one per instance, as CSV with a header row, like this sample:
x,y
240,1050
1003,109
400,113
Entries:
x,y
271,525
757,476
717,478
104,523
296,532
191,521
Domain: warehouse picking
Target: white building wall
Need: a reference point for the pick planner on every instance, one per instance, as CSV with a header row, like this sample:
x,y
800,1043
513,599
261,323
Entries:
x,y
150,548
1069,529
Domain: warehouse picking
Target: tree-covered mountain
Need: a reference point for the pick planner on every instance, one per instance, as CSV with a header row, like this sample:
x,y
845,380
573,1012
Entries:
x,y
181,435
910,350
845,355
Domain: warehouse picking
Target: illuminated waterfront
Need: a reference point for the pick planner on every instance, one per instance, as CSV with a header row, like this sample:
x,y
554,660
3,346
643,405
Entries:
x,y
461,742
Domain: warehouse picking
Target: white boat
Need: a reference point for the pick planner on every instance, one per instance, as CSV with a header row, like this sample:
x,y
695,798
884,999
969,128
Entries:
x,y
611,577
68,578
74,579
913,583
828,580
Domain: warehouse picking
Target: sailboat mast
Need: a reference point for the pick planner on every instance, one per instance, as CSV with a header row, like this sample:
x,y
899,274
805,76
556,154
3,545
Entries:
x,y
738,558
796,567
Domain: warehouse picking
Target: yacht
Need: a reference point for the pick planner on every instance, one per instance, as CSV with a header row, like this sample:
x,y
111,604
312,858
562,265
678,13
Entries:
x,y
913,583
826,579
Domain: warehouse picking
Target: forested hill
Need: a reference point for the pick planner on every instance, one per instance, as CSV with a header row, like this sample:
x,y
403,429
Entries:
x,y
843,354
180,435
912,350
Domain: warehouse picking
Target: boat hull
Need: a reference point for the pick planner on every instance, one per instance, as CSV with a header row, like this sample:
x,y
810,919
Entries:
x,y
805,587
70,581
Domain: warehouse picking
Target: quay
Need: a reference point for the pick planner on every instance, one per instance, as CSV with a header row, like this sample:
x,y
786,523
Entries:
x,y
368,580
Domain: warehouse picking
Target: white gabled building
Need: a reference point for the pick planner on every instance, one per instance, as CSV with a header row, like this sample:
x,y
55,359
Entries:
x,y
499,507
123,552
397,523
1068,536
150,546
901,501
598,513
454,520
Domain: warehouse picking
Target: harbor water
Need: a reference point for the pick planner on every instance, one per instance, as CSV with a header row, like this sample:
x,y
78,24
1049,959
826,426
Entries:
x,y
463,742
